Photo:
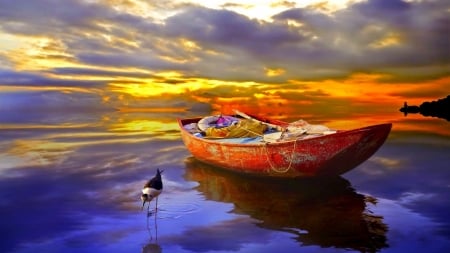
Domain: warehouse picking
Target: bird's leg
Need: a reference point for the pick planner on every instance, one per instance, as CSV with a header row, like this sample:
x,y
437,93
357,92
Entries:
x,y
156,210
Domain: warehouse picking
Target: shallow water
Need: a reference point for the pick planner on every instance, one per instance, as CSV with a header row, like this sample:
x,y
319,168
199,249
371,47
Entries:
x,y
70,182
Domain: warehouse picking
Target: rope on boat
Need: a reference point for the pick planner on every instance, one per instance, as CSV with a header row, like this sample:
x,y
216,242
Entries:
x,y
274,168
280,170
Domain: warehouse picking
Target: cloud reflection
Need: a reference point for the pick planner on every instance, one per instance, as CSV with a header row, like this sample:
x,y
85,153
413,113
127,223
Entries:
x,y
415,163
230,235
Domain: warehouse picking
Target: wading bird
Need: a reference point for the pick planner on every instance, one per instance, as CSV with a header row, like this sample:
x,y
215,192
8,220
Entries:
x,y
152,189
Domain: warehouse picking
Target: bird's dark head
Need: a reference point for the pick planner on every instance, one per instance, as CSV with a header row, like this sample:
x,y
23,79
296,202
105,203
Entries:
x,y
144,198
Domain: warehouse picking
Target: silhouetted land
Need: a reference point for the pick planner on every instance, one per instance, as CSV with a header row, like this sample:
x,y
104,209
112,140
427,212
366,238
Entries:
x,y
439,108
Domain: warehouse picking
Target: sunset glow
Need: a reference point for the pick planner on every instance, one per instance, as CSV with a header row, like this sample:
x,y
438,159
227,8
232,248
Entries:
x,y
132,54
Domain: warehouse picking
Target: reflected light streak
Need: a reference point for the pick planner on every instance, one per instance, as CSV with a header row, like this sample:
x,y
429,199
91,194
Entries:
x,y
6,126
433,125
40,152
46,151
388,163
54,148
162,129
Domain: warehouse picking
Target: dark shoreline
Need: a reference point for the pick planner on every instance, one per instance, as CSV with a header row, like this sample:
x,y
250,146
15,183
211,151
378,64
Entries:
x,y
439,108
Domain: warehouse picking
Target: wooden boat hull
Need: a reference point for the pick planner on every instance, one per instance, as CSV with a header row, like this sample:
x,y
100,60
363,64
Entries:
x,y
327,155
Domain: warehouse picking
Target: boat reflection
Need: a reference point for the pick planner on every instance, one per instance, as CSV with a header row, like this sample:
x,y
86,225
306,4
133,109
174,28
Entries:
x,y
326,212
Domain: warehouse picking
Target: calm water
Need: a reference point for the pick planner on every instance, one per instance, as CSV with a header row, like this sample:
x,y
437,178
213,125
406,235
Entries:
x,y
70,182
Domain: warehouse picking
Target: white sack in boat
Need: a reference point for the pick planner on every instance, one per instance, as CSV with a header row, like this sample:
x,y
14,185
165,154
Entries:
x,y
300,127
316,129
272,137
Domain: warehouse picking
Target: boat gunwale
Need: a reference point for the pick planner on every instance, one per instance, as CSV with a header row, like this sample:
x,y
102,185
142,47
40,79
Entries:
x,y
279,143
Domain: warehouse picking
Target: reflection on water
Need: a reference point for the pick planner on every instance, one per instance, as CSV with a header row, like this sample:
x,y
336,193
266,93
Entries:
x,y
152,227
326,212
152,248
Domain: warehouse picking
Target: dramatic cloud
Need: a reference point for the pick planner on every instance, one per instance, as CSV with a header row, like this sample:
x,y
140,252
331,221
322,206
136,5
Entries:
x,y
104,44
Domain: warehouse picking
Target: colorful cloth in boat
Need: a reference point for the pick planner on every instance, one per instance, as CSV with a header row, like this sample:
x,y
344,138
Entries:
x,y
244,128
217,121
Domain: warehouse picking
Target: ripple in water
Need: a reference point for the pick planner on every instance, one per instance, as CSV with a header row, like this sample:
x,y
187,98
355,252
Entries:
x,y
174,210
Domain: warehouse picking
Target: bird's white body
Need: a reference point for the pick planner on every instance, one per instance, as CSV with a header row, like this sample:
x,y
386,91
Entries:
x,y
151,193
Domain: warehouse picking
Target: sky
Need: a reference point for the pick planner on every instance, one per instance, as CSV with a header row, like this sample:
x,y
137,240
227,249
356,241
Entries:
x,y
122,54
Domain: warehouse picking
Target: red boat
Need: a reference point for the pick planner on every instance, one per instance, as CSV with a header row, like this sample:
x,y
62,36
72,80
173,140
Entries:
x,y
321,155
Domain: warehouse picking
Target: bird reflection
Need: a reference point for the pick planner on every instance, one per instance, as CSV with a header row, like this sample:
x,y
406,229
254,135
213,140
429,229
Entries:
x,y
325,212
155,226
152,248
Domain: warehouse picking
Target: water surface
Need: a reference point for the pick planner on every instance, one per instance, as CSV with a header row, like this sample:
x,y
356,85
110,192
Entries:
x,y
70,182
